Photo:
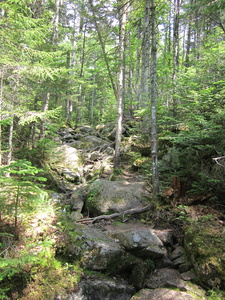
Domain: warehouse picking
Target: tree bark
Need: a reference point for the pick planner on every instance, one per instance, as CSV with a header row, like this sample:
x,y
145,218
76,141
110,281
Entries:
x,y
45,108
155,176
123,7
58,3
1,102
175,51
93,100
145,70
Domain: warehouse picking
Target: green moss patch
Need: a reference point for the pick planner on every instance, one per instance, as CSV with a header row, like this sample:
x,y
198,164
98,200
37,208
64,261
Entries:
x,y
205,242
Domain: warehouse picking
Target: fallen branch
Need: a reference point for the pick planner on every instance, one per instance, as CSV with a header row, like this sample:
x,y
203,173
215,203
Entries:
x,y
218,158
131,211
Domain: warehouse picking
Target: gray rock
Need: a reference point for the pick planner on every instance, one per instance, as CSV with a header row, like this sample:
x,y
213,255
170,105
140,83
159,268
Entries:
x,y
66,165
166,236
187,276
184,267
142,242
89,143
85,130
106,289
163,294
77,198
163,262
178,252
94,155
165,277
180,261
139,273
99,250
66,158
115,196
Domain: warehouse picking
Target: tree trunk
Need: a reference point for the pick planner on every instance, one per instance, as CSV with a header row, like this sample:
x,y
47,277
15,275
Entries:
x,y
58,3
123,7
1,92
155,176
45,108
145,71
82,33
137,71
175,52
93,100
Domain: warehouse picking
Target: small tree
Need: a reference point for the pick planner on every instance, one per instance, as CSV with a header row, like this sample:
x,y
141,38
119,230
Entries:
x,y
19,192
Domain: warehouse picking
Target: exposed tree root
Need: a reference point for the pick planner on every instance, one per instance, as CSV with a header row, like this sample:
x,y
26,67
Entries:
x,y
131,211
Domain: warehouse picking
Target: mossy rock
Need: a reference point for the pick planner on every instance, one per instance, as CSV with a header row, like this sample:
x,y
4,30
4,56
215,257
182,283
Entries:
x,y
107,197
205,243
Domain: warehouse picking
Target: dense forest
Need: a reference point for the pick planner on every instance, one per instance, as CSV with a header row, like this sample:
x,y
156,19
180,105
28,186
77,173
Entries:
x,y
156,66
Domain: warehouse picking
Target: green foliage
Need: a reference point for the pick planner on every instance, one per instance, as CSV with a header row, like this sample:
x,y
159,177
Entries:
x,y
20,186
188,151
92,195
41,152
34,116
216,295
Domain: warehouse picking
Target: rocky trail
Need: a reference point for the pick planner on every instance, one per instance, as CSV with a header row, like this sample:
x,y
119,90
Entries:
x,y
128,250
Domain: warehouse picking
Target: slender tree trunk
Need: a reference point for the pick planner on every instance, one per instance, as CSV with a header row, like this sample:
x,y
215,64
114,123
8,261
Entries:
x,y
93,100
188,47
167,51
123,7
155,176
175,52
81,73
1,102
69,103
10,144
45,108
58,3
145,74
137,71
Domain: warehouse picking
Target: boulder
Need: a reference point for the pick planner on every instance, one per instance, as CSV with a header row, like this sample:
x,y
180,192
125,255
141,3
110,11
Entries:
x,y
66,157
106,289
142,242
100,251
66,165
85,130
164,294
77,198
166,236
106,196
177,253
109,131
165,277
90,143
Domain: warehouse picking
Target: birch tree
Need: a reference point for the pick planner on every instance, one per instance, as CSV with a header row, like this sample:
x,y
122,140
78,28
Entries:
x,y
123,9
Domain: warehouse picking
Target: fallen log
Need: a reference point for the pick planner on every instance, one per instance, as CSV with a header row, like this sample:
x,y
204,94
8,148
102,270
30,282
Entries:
x,y
132,211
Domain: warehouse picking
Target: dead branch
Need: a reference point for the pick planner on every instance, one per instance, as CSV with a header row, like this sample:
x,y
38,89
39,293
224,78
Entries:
x,y
131,211
216,159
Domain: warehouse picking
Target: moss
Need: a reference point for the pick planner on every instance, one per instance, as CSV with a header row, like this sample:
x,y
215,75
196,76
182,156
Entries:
x,y
205,241
49,282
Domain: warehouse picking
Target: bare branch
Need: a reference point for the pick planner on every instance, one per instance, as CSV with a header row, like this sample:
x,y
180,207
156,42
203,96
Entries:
x,y
216,159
